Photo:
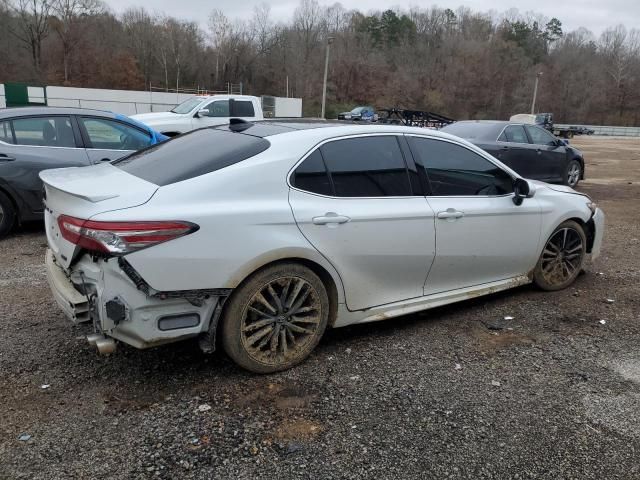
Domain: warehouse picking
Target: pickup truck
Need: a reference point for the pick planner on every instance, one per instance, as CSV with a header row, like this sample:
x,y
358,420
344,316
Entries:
x,y
203,111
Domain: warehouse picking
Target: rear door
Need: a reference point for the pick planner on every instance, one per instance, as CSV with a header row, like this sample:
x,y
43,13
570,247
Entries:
x,y
354,199
29,145
481,235
551,158
109,139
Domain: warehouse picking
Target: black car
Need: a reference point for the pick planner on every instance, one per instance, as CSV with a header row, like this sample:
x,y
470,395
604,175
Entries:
x,y
530,150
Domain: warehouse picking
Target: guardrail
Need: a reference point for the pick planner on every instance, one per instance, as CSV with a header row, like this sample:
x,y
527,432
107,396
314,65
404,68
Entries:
x,y
609,130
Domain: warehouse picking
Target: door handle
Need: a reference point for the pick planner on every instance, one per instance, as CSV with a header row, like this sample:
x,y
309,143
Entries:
x,y
330,218
450,214
505,147
6,158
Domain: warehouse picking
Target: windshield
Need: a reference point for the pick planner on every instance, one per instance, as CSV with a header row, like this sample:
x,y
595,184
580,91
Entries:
x,y
358,109
187,105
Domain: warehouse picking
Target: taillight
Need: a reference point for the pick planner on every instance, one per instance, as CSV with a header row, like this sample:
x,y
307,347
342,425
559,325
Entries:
x,y
119,238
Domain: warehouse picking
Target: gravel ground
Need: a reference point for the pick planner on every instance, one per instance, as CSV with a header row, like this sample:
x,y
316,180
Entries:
x,y
456,392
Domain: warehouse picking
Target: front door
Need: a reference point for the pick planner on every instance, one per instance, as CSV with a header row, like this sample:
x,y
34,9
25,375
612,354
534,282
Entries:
x,y
353,200
481,235
551,158
108,139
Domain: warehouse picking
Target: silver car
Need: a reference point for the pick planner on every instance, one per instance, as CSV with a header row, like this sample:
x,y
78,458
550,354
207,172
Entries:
x,y
268,234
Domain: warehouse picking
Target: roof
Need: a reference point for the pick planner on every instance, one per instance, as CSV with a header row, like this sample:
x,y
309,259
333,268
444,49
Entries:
x,y
28,111
269,128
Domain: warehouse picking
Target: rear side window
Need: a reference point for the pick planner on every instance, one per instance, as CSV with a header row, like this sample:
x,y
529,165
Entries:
x,y
191,155
454,170
514,134
367,167
44,131
242,108
5,132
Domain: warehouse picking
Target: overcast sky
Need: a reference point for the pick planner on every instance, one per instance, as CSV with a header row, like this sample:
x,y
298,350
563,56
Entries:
x,y
596,15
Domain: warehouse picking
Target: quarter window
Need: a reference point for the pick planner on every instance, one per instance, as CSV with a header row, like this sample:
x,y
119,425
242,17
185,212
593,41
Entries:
x,y
514,134
367,167
312,176
540,136
5,132
454,170
109,135
44,131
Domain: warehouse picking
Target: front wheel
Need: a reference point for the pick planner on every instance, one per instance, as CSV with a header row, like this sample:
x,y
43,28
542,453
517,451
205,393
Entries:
x,y
275,318
562,257
573,173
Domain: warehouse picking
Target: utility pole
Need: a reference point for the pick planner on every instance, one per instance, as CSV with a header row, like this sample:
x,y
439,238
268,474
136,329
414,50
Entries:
x,y
326,69
535,93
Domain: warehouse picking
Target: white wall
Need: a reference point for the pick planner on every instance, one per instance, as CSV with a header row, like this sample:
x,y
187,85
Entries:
x,y
3,102
126,102
288,107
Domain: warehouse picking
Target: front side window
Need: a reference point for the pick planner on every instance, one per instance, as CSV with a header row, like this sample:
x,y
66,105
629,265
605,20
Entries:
x,y
107,134
243,108
540,136
367,167
219,108
5,132
44,131
454,170
514,134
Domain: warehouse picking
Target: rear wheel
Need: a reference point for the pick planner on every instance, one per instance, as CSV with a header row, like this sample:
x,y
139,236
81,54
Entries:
x,y
573,173
275,318
562,257
7,215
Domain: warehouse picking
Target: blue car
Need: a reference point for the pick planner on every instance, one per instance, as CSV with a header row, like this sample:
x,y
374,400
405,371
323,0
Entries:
x,y
364,114
33,139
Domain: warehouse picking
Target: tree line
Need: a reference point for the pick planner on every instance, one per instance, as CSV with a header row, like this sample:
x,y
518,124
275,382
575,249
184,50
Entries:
x,y
462,63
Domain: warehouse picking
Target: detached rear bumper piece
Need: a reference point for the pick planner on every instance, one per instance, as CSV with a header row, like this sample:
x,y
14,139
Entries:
x,y
74,304
124,310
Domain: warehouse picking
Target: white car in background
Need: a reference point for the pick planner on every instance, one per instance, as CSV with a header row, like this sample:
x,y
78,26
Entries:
x,y
203,111
267,234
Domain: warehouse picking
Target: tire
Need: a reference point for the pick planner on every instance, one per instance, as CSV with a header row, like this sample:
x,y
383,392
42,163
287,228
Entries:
x,y
7,215
573,173
562,257
266,339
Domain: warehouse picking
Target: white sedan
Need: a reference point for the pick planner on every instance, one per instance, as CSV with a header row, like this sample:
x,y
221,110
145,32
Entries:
x,y
266,234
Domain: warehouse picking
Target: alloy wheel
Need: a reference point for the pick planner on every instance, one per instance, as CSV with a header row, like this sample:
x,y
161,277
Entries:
x,y
573,175
562,256
281,320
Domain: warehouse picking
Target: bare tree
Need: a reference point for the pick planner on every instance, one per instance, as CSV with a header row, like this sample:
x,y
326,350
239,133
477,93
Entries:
x,y
33,26
67,22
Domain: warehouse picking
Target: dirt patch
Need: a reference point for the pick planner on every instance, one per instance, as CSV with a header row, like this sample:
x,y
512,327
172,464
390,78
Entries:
x,y
299,429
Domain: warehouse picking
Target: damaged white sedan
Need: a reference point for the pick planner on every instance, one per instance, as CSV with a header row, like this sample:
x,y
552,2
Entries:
x,y
266,234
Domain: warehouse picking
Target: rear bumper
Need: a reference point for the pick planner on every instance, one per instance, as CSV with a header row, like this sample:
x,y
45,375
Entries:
x,y
119,309
74,304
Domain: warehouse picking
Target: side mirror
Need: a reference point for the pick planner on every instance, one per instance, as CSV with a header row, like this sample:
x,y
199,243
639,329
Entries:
x,y
521,190
202,113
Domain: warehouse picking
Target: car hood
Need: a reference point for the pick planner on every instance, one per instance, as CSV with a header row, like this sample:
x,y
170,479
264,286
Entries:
x,y
157,117
557,188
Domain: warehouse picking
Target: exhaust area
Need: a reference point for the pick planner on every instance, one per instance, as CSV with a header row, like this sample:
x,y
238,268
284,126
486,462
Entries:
x,y
105,346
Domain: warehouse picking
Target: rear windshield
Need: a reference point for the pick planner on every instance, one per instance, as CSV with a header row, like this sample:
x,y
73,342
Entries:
x,y
191,155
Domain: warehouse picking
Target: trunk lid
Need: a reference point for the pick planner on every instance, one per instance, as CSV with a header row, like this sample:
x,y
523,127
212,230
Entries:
x,y
84,192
